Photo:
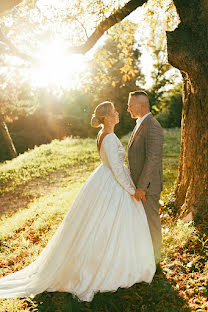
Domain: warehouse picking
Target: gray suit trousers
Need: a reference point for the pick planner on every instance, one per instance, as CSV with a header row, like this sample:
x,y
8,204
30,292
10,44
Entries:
x,y
151,208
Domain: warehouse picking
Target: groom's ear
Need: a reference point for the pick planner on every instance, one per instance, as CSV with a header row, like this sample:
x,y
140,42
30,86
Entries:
x,y
106,118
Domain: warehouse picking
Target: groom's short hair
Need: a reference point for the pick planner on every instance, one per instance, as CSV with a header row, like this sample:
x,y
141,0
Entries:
x,y
139,92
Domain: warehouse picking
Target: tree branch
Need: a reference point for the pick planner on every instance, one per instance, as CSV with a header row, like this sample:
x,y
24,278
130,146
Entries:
x,y
14,50
74,18
113,19
6,5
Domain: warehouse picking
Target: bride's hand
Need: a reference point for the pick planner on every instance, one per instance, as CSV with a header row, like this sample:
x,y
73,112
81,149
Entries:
x,y
140,195
134,196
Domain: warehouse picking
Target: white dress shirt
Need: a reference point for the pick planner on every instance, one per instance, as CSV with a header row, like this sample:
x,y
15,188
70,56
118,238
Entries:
x,y
139,121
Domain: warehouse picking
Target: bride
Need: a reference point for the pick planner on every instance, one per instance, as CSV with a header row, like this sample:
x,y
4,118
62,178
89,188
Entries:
x,y
103,242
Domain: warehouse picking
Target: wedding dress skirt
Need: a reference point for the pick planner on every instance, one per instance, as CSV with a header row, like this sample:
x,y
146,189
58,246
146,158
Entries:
x,y
102,243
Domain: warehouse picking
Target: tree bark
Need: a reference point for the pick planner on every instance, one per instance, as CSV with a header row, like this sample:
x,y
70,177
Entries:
x,y
188,51
7,138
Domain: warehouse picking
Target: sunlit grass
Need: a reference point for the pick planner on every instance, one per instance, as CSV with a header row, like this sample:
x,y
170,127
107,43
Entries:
x,y
48,158
40,212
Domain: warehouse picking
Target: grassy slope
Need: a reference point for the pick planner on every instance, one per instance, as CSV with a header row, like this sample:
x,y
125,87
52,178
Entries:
x,y
179,287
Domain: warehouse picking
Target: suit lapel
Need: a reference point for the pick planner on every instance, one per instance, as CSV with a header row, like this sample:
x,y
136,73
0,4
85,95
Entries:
x,y
135,133
138,130
131,137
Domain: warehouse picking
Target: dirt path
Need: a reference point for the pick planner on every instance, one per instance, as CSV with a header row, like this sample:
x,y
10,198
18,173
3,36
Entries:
x,y
23,195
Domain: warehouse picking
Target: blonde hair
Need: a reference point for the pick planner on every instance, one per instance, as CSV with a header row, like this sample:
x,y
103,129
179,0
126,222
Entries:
x,y
100,112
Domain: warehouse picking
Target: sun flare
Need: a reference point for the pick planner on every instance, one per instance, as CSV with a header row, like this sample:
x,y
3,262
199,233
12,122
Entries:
x,y
57,68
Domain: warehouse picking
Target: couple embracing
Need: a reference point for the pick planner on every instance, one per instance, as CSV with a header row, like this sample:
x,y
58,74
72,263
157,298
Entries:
x,y
111,234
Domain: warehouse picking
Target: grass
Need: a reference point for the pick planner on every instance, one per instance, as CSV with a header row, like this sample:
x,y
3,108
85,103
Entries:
x,y
181,285
46,159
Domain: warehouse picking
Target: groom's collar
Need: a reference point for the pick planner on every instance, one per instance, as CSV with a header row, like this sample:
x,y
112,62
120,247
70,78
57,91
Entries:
x,y
139,121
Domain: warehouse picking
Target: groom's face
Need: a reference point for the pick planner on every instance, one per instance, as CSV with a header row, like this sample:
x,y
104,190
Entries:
x,y
134,107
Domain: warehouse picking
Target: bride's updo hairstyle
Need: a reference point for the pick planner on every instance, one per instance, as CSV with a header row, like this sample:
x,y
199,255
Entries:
x,y
100,112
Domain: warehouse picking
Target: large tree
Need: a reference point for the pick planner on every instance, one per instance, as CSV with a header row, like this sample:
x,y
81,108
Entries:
x,y
187,48
188,51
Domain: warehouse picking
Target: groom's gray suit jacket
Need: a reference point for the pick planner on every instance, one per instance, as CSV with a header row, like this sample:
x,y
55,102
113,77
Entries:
x,y
145,156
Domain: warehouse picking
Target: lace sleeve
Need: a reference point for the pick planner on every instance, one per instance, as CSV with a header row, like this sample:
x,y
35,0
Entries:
x,y
117,167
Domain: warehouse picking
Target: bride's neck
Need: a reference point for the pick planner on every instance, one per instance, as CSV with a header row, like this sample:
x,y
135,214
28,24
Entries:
x,y
108,128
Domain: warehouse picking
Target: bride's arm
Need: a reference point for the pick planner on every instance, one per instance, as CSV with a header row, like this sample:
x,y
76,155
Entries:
x,y
117,167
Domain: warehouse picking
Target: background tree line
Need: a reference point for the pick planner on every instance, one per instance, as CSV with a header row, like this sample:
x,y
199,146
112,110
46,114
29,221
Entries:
x,y
38,116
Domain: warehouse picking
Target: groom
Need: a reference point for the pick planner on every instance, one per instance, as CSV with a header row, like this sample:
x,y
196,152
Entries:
x,y
145,163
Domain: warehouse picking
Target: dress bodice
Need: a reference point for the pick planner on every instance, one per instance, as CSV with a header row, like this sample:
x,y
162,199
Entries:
x,y
112,154
119,147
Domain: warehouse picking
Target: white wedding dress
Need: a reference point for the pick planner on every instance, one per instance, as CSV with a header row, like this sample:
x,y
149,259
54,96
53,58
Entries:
x,y
103,242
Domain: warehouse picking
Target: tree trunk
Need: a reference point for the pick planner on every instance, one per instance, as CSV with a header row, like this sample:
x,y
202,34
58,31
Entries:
x,y
188,51
7,138
192,181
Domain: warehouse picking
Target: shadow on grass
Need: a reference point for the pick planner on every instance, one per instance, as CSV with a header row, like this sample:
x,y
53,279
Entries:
x,y
159,296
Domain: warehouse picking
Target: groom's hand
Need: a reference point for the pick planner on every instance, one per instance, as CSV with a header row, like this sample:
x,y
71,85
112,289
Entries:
x,y
140,195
